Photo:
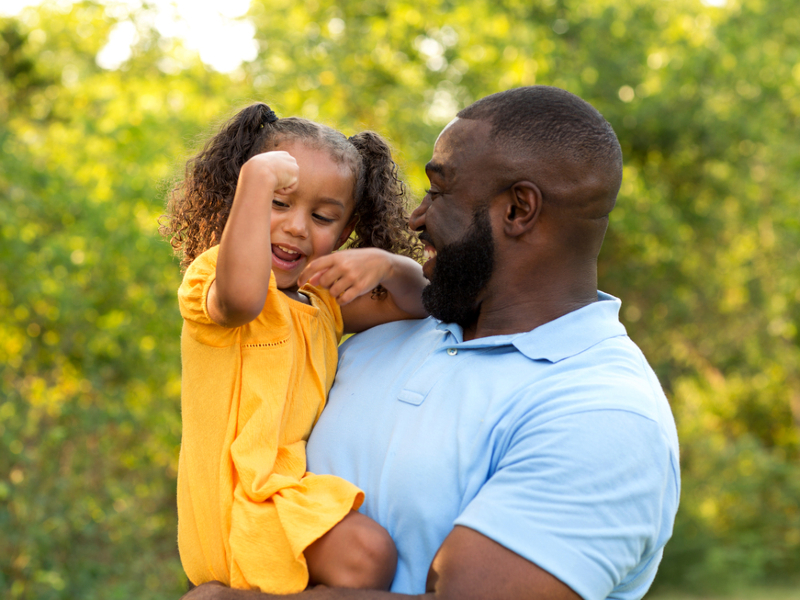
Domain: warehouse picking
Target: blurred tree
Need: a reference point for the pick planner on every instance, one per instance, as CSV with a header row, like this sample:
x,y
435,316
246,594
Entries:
x,y
90,379
703,246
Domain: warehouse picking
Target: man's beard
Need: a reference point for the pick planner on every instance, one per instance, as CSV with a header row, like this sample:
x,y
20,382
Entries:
x,y
461,271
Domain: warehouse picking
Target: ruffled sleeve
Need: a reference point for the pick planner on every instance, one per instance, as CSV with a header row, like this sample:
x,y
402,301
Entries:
x,y
193,302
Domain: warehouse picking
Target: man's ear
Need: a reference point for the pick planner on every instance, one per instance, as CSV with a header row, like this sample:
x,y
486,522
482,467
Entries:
x,y
348,229
523,209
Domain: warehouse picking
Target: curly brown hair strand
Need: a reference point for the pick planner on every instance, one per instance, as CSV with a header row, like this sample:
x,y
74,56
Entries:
x,y
381,201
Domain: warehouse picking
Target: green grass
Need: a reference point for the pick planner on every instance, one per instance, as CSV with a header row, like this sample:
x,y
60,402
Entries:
x,y
760,593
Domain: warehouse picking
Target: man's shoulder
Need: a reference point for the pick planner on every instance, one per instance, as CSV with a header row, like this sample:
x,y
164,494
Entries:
x,y
610,375
396,333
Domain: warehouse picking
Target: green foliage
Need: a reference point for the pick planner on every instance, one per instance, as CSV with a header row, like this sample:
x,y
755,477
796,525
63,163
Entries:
x,y
703,246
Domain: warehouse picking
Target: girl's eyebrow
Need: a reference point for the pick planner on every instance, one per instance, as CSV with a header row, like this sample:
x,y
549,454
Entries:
x,y
332,201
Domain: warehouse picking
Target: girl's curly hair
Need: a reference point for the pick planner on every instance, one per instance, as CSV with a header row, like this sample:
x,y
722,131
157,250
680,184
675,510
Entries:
x,y
198,206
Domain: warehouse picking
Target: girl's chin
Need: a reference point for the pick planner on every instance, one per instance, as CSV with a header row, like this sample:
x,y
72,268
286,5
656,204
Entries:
x,y
287,285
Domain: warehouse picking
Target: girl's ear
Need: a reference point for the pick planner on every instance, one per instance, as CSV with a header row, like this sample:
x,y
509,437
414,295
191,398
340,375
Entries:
x,y
348,229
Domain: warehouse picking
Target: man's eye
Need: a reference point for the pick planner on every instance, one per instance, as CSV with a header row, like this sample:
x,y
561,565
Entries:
x,y
433,194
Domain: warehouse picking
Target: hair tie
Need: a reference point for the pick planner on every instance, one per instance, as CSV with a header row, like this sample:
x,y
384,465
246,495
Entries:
x,y
270,116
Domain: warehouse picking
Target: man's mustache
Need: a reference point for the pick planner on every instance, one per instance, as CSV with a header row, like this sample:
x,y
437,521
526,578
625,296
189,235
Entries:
x,y
424,237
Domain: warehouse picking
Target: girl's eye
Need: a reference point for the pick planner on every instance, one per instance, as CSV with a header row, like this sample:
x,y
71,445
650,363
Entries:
x,y
319,217
277,203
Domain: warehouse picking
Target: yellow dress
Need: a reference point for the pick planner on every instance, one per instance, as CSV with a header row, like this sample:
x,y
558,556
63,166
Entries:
x,y
247,508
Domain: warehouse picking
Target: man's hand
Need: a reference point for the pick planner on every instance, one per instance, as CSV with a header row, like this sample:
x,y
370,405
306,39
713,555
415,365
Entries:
x,y
206,591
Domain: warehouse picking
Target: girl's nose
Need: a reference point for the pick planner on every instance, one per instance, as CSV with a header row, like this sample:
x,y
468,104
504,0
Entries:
x,y
296,225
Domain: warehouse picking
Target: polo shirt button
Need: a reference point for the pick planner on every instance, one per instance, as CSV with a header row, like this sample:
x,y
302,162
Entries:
x,y
452,351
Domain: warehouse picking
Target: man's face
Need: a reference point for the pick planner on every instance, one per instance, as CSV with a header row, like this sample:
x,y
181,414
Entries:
x,y
455,222
460,272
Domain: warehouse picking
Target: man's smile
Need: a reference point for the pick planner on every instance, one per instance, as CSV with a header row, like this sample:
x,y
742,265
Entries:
x,y
428,254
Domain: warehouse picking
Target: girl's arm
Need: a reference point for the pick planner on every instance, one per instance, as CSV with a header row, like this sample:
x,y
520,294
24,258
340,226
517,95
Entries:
x,y
351,275
244,264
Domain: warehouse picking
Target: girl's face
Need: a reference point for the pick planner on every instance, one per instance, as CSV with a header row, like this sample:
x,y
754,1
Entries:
x,y
315,219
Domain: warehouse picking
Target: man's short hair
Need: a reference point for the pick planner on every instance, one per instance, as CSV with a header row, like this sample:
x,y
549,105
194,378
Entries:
x,y
547,122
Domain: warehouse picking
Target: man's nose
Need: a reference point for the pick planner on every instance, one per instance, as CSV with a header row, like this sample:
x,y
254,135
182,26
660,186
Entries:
x,y
416,222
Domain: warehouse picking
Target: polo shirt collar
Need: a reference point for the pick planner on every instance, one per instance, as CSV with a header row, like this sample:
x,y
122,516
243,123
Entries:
x,y
561,338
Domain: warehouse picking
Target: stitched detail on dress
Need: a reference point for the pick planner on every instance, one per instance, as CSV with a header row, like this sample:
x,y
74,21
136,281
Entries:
x,y
266,345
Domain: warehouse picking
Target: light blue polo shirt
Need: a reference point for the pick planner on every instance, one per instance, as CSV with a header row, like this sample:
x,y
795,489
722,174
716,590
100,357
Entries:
x,y
557,443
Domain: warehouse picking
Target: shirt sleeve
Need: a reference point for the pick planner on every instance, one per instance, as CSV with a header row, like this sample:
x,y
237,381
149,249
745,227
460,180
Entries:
x,y
193,302
580,496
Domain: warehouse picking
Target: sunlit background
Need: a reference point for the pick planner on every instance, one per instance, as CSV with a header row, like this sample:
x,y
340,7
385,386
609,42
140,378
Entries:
x,y
218,31
101,103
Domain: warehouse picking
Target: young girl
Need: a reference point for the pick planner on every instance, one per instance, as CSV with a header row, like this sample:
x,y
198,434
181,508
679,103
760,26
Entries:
x,y
264,303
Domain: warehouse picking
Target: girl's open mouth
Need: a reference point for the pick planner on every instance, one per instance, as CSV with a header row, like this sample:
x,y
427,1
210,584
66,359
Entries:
x,y
284,257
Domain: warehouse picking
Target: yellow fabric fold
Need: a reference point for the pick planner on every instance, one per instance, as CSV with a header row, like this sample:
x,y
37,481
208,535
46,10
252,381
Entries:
x,y
247,508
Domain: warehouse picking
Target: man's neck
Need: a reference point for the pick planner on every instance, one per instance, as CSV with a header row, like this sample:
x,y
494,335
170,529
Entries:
x,y
525,310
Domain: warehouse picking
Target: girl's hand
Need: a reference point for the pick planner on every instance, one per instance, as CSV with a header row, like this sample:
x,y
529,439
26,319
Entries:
x,y
348,274
281,165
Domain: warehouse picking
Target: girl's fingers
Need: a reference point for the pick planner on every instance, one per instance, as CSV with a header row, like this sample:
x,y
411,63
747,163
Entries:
x,y
350,291
315,267
338,287
347,288
311,276
345,279
334,271
330,278
347,297
314,279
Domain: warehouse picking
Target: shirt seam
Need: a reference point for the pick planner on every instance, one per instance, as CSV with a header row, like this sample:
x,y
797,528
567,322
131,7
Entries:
x,y
266,344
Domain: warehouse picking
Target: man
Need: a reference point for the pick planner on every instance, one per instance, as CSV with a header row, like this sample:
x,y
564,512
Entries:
x,y
517,444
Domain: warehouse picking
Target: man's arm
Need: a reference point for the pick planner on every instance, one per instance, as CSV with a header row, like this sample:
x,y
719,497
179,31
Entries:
x,y
468,566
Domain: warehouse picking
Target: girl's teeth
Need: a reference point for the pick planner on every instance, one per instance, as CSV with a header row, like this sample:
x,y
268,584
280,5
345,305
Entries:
x,y
287,250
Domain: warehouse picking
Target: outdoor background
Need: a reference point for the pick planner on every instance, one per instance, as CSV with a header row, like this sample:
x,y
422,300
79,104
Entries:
x,y
101,104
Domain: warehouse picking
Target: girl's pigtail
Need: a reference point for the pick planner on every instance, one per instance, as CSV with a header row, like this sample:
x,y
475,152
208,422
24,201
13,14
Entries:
x,y
199,206
381,212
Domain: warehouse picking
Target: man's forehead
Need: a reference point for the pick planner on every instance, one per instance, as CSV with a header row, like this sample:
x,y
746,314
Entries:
x,y
434,166
459,145
465,133
446,127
